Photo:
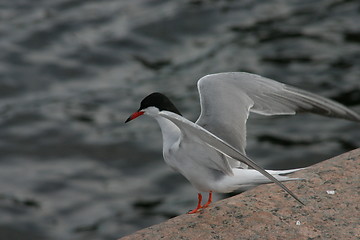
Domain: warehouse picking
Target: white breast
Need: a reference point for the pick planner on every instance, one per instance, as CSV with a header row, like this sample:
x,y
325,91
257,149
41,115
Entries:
x,y
182,155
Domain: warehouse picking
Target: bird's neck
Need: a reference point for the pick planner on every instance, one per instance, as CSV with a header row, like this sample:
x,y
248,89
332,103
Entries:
x,y
170,132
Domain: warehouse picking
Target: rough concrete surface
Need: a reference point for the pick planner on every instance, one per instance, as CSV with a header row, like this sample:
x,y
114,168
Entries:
x,y
331,192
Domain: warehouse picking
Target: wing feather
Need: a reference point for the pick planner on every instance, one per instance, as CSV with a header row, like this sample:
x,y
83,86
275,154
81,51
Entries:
x,y
227,98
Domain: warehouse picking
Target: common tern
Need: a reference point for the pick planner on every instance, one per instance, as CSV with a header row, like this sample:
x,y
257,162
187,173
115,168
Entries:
x,y
210,153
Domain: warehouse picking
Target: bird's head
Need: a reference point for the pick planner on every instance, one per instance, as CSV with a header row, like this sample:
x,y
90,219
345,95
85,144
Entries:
x,y
153,104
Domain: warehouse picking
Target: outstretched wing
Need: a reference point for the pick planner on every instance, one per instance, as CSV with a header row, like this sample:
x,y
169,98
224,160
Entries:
x,y
197,133
227,98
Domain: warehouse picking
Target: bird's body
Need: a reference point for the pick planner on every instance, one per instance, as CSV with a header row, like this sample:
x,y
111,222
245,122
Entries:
x,y
182,156
211,152
205,177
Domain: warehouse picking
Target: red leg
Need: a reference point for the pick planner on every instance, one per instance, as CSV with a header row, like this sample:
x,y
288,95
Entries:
x,y
209,200
198,205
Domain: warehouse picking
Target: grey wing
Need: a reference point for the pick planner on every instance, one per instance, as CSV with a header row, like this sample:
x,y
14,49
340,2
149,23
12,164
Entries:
x,y
227,98
200,134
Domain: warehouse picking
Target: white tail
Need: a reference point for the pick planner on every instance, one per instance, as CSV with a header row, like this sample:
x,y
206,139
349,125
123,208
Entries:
x,y
244,179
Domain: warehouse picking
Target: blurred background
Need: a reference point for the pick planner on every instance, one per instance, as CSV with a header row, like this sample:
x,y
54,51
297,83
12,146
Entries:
x,y
71,72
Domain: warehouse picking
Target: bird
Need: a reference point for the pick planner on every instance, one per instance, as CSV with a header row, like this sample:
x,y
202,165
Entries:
x,y
210,153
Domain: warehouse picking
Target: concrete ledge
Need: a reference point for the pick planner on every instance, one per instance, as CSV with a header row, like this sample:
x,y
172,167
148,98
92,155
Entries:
x,y
331,193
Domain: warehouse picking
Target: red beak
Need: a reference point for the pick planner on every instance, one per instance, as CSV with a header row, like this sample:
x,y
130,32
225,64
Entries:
x,y
134,115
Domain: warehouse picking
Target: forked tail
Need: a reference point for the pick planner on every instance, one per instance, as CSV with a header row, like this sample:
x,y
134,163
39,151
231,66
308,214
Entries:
x,y
245,179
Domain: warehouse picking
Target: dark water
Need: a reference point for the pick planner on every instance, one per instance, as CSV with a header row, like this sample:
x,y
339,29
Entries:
x,y
71,72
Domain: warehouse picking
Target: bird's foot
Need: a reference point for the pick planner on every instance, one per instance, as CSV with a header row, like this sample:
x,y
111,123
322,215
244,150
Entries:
x,y
195,210
209,200
205,205
198,205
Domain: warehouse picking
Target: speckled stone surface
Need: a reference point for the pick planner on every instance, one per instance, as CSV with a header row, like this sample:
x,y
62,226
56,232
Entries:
x,y
331,193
